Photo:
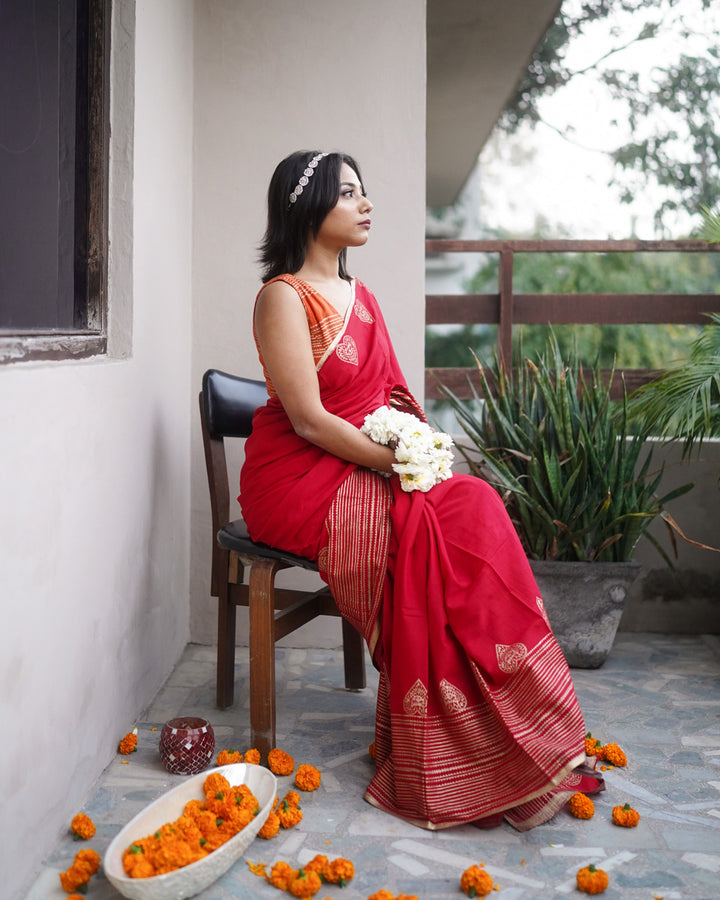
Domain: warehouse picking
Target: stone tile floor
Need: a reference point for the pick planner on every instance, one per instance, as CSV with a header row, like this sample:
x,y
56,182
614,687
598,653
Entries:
x,y
658,696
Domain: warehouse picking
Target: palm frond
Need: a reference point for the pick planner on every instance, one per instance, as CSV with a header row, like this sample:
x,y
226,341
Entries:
x,y
683,403
711,224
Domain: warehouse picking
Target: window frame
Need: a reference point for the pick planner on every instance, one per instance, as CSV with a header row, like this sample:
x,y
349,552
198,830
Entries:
x,y
88,337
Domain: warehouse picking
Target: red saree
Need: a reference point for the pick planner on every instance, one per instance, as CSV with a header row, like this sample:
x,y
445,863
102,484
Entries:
x,y
476,711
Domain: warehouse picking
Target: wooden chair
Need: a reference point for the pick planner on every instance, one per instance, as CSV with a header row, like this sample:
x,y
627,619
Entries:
x,y
227,405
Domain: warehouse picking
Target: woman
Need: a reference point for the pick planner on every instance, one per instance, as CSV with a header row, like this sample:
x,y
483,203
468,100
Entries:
x,y
477,717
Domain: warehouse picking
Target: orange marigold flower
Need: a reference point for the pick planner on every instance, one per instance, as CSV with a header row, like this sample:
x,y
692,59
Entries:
x,y
215,784
271,827
75,897
591,880
581,806
173,854
82,827
189,831
592,746
339,871
625,816
475,882
317,864
371,751
281,875
244,798
288,815
382,895
406,897
75,878
193,808
136,862
614,754
228,757
237,817
256,868
307,778
206,822
305,884
252,757
88,858
85,865
280,763
143,868
128,744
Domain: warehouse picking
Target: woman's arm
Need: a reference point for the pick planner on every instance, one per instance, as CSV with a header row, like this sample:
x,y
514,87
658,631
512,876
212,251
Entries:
x,y
284,337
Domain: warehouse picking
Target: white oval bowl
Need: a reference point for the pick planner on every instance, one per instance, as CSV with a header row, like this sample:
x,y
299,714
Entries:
x,y
189,880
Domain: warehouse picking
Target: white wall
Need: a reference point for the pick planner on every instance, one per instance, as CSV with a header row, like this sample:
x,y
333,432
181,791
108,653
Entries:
x,y
274,77
95,472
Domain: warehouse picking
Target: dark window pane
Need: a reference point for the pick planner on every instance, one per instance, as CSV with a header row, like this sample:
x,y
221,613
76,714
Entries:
x,y
53,173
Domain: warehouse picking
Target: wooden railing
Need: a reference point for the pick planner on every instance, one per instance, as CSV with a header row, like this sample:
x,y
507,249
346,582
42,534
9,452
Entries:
x,y
507,309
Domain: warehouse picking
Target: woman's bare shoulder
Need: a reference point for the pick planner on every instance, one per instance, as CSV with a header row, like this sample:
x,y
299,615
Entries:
x,y
278,297
277,290
279,305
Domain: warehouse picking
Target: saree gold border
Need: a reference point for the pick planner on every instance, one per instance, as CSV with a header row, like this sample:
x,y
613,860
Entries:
x,y
554,805
358,525
338,337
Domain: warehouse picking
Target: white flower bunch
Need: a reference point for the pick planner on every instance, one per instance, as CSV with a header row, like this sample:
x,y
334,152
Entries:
x,y
424,457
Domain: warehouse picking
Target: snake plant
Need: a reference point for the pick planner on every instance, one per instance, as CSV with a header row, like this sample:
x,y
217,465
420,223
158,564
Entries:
x,y
576,484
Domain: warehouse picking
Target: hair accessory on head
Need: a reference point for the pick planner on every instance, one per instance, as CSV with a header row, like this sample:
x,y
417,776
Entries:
x,y
305,177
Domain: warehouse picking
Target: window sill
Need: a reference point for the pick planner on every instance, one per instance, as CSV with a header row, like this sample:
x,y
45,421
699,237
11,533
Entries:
x,y
51,346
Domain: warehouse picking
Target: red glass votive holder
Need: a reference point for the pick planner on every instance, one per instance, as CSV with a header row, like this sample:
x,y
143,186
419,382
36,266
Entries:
x,y
187,745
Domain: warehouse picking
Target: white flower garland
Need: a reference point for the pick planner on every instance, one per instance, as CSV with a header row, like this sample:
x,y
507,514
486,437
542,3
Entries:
x,y
424,457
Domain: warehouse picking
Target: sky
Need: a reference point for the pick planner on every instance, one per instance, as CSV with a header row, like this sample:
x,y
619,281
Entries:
x,y
539,173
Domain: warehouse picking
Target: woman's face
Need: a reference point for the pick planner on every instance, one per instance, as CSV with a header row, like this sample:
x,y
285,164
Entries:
x,y
348,222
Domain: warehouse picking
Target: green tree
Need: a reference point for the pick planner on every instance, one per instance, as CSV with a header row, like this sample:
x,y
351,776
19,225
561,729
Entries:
x,y
672,115
679,151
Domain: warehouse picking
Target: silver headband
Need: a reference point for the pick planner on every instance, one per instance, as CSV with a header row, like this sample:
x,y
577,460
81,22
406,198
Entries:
x,y
305,177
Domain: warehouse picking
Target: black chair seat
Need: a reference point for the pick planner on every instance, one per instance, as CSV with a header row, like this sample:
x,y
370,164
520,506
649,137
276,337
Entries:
x,y
234,536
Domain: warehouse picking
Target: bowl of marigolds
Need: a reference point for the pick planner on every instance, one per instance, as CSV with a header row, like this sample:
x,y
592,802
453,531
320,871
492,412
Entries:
x,y
191,835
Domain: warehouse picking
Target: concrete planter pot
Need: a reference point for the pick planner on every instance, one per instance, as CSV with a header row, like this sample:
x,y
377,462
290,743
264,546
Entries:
x,y
584,602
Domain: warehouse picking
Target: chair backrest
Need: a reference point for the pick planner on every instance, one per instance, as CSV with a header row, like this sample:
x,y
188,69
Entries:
x,y
229,403
227,406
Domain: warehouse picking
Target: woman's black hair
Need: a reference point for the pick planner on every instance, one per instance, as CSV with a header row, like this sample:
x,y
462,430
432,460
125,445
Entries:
x,y
289,225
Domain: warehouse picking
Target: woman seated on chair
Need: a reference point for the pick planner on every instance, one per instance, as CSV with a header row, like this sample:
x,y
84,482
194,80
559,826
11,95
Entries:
x,y
477,717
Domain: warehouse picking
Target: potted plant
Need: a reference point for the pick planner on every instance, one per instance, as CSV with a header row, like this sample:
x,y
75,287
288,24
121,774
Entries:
x,y
580,490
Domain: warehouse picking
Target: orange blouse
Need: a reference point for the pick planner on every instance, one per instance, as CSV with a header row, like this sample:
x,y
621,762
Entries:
x,y
324,320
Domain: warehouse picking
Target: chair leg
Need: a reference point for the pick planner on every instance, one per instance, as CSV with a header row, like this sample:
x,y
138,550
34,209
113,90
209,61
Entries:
x,y
354,653
262,654
225,689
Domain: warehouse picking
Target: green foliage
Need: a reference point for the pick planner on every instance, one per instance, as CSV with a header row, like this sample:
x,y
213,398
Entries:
x,y
680,151
636,346
711,226
684,402
557,449
672,115
604,273
450,347
547,71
